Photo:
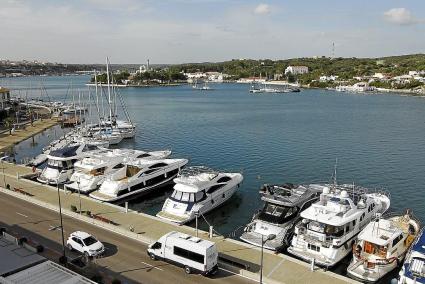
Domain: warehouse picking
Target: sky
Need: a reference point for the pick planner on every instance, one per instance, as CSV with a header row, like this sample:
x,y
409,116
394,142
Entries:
x,y
178,31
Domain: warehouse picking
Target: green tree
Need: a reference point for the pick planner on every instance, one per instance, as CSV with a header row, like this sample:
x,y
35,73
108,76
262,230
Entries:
x,y
8,123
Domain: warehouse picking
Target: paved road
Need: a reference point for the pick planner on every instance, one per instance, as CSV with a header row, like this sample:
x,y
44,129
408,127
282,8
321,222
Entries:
x,y
125,257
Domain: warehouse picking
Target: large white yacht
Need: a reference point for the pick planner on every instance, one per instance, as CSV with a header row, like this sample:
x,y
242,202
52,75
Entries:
x,y
329,227
90,172
381,246
198,190
413,269
281,211
60,163
138,176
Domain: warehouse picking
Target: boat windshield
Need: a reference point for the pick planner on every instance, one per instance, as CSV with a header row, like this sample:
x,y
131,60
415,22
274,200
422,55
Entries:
x,y
371,248
187,197
329,230
277,214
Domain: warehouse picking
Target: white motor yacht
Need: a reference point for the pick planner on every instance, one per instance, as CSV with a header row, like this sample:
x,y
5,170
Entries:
x,y
60,163
329,227
91,171
139,177
281,211
381,246
413,269
198,190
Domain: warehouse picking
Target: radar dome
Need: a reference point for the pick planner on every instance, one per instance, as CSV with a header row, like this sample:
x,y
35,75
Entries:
x,y
344,194
326,190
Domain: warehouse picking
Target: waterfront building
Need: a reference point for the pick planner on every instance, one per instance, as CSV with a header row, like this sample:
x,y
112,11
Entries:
x,y
295,70
4,97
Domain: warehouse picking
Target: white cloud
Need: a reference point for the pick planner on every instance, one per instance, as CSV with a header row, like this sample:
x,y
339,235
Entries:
x,y
400,16
262,9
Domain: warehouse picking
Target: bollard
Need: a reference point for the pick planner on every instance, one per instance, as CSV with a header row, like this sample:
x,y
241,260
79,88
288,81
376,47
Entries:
x,y
312,264
126,207
211,232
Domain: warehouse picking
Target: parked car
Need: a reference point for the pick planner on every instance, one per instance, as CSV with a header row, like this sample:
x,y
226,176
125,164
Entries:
x,y
192,253
85,243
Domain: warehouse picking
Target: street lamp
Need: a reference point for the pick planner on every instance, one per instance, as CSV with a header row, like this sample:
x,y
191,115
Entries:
x,y
79,196
2,159
60,215
263,241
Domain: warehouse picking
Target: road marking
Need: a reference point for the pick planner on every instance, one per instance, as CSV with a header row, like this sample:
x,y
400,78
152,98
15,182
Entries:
x,y
240,275
274,268
20,214
151,266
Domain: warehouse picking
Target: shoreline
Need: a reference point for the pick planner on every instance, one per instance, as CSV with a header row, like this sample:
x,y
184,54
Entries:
x,y
8,141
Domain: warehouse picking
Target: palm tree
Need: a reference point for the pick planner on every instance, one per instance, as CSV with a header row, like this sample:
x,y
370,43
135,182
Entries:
x,y
8,123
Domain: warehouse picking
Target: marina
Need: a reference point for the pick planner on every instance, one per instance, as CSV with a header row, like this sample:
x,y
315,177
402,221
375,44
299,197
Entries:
x,y
154,201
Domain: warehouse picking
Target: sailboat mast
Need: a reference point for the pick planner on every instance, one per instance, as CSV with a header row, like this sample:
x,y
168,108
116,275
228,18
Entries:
x,y
109,88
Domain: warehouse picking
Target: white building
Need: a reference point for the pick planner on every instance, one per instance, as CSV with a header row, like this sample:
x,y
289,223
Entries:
x,y
295,70
328,78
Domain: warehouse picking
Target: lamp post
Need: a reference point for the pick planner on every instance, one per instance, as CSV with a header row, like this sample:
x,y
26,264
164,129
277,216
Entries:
x,y
2,167
79,196
269,238
60,215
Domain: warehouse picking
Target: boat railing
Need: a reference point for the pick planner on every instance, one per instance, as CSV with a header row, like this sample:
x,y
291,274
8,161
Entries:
x,y
196,170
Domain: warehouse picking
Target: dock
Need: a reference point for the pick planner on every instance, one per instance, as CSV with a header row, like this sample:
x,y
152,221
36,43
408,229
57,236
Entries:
x,y
240,258
234,256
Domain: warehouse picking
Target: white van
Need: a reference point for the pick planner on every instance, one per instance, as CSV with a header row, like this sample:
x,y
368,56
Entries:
x,y
194,254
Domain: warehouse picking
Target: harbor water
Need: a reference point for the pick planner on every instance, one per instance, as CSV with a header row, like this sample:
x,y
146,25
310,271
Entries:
x,y
378,139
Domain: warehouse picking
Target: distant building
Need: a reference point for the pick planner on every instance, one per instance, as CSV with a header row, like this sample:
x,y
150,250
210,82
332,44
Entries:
x,y
4,97
295,70
328,78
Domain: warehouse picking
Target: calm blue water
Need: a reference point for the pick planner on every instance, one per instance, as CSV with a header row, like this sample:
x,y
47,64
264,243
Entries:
x,y
377,139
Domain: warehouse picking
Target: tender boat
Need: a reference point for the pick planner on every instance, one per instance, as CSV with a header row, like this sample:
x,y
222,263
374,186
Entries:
x,y
281,211
329,227
60,163
198,190
91,171
138,177
413,269
381,246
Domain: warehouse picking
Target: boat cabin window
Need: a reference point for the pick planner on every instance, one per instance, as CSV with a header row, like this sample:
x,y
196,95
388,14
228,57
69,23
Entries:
x,y
214,188
224,179
145,155
119,166
158,165
277,214
396,240
98,172
131,170
329,230
375,249
187,197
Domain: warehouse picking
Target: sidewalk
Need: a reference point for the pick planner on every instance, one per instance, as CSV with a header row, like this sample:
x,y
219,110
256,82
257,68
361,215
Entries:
x,y
278,268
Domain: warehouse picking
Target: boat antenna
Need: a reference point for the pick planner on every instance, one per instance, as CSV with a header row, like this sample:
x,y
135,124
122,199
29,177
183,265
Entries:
x,y
335,168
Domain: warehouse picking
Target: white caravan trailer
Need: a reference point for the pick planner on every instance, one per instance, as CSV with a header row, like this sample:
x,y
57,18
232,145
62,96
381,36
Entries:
x,y
192,253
